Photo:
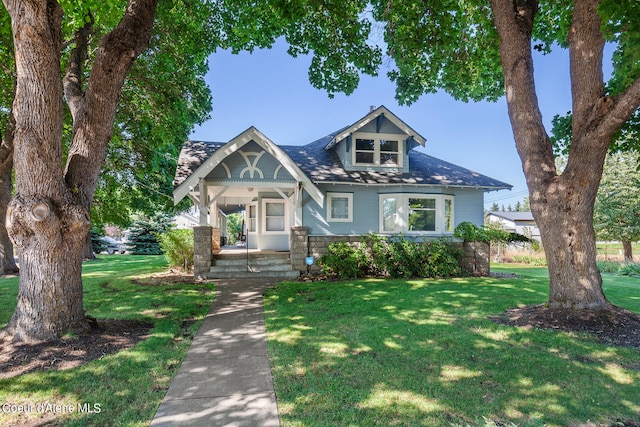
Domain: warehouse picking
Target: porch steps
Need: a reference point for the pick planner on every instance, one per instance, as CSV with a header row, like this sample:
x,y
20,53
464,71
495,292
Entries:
x,y
257,265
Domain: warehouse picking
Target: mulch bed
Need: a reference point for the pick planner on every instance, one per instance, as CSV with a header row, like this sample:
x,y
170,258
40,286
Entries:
x,y
617,326
106,336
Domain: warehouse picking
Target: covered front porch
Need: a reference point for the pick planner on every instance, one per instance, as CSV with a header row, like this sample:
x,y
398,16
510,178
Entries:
x,y
249,175
268,212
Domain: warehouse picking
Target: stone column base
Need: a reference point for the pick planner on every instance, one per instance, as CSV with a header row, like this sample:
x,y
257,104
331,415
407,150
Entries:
x,y
202,250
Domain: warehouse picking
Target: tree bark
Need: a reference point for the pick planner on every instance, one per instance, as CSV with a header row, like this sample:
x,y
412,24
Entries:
x,y
562,204
7,257
48,218
44,219
627,249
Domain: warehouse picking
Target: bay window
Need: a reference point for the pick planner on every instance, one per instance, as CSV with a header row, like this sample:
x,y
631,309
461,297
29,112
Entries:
x,y
416,213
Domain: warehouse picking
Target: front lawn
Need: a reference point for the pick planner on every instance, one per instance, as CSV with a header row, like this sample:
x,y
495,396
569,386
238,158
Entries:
x,y
425,353
124,388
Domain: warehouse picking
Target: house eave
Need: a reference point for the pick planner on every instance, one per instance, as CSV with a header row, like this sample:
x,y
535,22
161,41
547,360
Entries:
x,y
410,184
252,134
382,110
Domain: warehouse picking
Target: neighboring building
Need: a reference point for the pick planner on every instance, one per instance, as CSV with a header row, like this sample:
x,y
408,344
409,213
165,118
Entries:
x,y
516,222
367,177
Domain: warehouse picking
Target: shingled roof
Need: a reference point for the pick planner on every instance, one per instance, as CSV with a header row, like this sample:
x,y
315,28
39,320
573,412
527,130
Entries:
x,y
192,155
322,165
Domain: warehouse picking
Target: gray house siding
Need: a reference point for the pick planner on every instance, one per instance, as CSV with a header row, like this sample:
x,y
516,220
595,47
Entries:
x,y
239,167
366,208
468,206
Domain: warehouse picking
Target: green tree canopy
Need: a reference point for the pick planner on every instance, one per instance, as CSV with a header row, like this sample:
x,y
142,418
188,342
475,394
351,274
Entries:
x,y
481,50
617,207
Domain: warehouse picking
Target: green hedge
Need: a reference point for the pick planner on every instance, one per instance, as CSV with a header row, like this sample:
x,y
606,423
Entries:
x,y
394,257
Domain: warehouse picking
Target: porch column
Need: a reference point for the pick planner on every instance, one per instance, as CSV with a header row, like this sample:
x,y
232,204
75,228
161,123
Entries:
x,y
202,250
299,247
203,205
297,215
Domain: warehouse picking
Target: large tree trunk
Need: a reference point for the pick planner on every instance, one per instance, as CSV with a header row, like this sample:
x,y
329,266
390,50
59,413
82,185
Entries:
x,y
627,249
565,218
48,219
44,219
7,259
562,204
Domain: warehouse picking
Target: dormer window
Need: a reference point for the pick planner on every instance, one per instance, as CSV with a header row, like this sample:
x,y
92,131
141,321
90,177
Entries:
x,y
377,149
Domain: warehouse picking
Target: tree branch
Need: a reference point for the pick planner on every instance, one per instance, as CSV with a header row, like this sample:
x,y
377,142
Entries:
x,y
624,105
514,22
586,49
94,127
73,78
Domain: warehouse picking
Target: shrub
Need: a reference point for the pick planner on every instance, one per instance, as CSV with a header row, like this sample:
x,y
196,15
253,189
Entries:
x,y
177,246
342,260
531,260
608,266
629,269
395,257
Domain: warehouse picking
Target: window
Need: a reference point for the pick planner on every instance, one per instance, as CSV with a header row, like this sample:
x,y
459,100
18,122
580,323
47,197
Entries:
x,y
377,149
416,213
422,214
275,216
251,221
365,150
340,207
448,215
389,215
389,153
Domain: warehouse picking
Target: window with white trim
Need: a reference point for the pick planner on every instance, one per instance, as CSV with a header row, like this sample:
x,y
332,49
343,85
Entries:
x,y
252,218
340,207
275,216
416,213
377,149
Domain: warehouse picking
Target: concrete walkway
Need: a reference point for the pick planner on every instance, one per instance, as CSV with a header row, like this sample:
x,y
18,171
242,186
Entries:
x,y
225,379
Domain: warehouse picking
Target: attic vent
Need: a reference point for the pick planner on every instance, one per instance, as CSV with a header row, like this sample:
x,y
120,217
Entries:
x,y
372,108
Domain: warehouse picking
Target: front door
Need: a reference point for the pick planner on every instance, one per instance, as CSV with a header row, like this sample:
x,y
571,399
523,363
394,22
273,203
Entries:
x,y
269,224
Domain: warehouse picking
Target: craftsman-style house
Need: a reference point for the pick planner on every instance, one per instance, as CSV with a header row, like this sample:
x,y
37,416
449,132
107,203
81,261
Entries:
x,y
368,177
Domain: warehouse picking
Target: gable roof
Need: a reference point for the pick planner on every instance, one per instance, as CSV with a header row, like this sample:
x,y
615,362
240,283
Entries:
x,y
322,165
373,115
514,216
198,158
316,162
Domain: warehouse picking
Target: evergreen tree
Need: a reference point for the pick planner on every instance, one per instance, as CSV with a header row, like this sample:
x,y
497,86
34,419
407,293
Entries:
x,y
617,207
143,235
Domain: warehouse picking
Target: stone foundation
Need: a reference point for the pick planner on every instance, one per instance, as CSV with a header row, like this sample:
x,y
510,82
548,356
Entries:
x,y
202,250
476,258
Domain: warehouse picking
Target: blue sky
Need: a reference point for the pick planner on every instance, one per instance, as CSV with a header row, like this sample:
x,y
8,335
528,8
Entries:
x,y
270,90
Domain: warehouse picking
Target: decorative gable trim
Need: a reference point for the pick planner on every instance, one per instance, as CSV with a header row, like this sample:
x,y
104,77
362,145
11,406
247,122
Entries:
x,y
377,115
235,145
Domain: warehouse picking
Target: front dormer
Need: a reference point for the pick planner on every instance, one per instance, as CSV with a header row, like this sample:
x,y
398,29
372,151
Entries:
x,y
378,142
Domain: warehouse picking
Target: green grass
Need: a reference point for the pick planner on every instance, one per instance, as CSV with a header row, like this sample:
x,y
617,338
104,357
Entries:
x,y
424,353
128,386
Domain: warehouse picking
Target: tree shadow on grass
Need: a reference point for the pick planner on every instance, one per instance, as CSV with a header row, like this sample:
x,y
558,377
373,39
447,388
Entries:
x,y
426,353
